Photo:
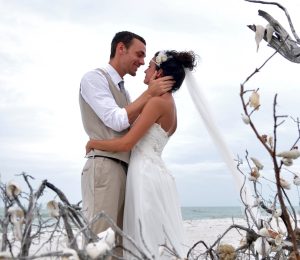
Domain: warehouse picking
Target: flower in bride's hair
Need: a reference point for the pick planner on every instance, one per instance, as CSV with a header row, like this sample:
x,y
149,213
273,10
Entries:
x,y
160,58
254,100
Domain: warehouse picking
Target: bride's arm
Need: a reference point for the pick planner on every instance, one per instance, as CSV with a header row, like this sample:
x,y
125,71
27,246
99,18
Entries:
x,y
150,114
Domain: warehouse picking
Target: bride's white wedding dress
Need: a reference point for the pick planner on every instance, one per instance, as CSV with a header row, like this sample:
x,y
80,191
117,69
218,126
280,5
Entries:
x,y
151,198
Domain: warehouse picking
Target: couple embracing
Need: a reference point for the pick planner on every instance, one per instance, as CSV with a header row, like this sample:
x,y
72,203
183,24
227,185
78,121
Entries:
x,y
124,175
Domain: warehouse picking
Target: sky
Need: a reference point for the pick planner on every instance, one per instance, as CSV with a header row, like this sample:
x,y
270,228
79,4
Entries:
x,y
47,46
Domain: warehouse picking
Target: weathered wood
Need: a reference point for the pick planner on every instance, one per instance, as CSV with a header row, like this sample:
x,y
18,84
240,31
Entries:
x,y
281,40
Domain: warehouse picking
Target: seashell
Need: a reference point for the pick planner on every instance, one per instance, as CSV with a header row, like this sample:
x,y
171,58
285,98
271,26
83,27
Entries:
x,y
246,119
110,238
287,161
270,30
74,255
259,34
96,249
284,184
12,189
92,250
161,250
53,208
254,100
254,175
272,233
277,213
296,180
261,246
292,154
257,163
226,251
270,141
278,240
264,232
16,215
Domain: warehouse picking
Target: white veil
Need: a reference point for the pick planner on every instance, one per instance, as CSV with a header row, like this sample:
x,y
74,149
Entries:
x,y
203,109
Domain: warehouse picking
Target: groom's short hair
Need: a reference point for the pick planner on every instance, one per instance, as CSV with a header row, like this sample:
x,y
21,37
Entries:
x,y
126,38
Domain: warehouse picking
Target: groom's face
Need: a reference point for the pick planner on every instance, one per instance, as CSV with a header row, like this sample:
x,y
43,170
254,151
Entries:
x,y
134,57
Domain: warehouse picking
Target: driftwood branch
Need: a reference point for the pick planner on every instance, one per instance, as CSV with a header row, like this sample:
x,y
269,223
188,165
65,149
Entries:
x,y
281,40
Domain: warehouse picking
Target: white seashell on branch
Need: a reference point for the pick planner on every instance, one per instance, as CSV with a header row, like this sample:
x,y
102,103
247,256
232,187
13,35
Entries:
x,y
254,100
257,163
110,238
264,232
296,180
72,252
259,34
270,141
16,215
284,184
96,249
292,154
12,189
254,175
278,240
262,246
53,208
161,250
246,119
277,213
270,30
287,161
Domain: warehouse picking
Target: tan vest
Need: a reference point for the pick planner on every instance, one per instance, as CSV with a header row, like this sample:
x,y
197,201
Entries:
x,y
96,129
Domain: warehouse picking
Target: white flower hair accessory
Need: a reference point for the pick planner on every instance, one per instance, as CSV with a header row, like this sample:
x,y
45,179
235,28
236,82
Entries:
x,y
160,58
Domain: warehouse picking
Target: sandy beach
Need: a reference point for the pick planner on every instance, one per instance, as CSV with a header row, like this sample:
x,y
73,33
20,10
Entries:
x,y
208,230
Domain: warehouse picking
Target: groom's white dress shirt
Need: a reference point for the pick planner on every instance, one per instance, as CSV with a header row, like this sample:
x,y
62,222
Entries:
x,y
95,91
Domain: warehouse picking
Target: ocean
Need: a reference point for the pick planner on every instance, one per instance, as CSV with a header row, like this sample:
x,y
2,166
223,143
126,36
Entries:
x,y
190,213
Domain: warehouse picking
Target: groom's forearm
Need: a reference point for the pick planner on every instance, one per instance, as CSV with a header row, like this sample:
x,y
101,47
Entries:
x,y
134,109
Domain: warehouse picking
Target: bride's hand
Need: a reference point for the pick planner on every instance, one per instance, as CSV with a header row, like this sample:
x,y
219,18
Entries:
x,y
88,147
159,86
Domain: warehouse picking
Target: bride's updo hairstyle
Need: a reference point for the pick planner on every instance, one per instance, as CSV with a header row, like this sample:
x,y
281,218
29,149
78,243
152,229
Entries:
x,y
174,63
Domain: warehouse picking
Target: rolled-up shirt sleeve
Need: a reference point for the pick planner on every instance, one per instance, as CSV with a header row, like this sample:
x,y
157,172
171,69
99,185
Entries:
x,y
95,91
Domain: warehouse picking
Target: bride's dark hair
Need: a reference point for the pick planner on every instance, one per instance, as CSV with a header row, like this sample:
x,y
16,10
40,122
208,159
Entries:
x,y
176,64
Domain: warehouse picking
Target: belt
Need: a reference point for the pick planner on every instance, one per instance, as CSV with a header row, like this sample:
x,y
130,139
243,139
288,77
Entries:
x,y
124,164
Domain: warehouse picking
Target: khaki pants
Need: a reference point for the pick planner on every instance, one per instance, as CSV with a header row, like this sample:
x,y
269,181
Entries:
x,y
103,184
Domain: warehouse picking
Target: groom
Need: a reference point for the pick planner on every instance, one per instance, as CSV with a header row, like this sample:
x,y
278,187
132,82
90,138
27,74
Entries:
x,y
107,113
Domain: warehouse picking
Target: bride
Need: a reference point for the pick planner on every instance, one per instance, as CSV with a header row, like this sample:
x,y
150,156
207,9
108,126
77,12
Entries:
x,y
152,214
